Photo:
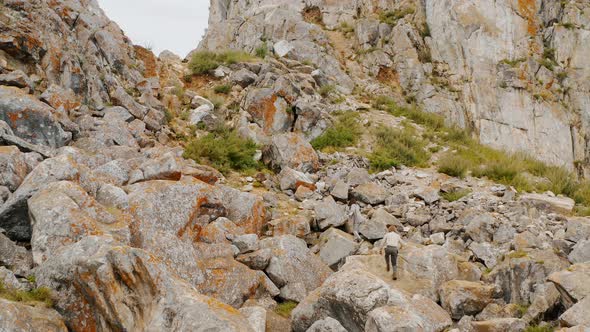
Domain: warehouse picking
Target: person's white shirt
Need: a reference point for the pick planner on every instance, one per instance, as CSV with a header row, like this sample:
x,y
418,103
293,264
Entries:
x,y
392,239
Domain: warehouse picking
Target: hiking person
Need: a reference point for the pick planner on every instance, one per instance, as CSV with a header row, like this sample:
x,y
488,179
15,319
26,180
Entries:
x,y
391,245
356,218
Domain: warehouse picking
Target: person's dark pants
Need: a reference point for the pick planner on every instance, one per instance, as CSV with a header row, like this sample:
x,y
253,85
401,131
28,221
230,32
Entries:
x,y
391,256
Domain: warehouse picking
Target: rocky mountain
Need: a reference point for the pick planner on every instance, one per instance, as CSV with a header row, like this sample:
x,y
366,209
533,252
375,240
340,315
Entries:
x,y
515,72
151,193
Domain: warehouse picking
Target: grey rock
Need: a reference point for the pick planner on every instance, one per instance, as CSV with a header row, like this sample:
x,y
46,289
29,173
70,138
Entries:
x,y
580,252
13,214
327,324
500,324
462,298
578,314
13,167
572,283
291,262
31,119
328,213
18,259
577,229
429,196
290,179
340,191
370,193
243,77
20,317
257,260
256,316
376,227
293,292
112,196
98,260
357,176
352,295
291,150
336,245
282,48
246,243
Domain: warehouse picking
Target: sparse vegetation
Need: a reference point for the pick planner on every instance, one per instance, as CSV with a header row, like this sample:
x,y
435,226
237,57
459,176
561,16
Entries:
x,y
203,62
453,165
395,147
223,149
284,309
513,63
262,51
521,309
391,17
467,155
540,328
344,133
326,90
455,195
36,295
222,89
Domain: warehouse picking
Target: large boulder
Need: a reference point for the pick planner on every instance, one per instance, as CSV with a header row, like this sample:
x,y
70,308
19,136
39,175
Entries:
x,y
100,285
172,218
291,150
335,245
18,259
14,213
370,193
429,266
462,298
13,167
269,110
360,301
30,119
63,213
292,264
577,229
328,213
19,317
578,314
520,272
572,283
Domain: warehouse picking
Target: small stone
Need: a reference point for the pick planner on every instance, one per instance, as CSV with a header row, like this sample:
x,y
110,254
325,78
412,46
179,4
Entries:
x,y
246,243
437,238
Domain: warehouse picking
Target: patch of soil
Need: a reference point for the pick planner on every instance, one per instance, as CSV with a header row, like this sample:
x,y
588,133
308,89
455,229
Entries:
x,y
313,15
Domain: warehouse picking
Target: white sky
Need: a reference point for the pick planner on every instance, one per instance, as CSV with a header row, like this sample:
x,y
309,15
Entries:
x,y
175,25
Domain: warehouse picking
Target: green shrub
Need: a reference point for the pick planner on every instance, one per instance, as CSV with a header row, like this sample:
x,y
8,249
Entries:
x,y
325,90
262,51
395,147
453,165
203,62
429,120
455,195
41,294
344,133
223,149
538,328
284,309
391,17
222,89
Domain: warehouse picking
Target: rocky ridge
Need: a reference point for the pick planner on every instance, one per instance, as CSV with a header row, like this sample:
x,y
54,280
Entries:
x,y
102,211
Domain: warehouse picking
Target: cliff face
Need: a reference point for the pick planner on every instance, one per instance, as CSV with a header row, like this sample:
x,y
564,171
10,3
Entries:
x,y
71,51
514,71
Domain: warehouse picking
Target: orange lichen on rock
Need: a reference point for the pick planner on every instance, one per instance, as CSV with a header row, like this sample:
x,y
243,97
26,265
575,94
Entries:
x,y
528,9
149,61
265,110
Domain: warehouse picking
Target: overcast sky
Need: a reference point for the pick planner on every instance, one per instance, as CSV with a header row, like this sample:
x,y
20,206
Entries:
x,y
175,25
